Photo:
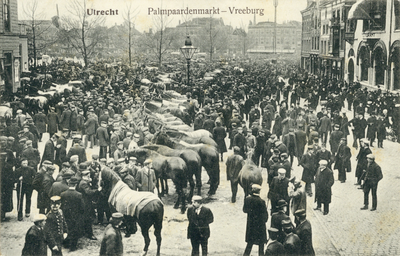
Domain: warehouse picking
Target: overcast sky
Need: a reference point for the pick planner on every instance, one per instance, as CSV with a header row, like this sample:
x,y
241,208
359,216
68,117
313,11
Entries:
x,y
287,10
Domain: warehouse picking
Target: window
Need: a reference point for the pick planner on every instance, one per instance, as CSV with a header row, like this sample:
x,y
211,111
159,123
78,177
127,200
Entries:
x,y
377,13
397,13
6,15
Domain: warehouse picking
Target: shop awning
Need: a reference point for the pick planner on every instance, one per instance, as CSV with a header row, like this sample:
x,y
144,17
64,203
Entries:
x,y
361,10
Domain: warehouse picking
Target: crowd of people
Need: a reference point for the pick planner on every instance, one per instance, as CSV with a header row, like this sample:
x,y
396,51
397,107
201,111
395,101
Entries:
x,y
266,120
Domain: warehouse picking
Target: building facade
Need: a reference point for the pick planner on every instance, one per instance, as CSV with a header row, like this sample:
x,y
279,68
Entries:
x,y
261,38
13,47
373,46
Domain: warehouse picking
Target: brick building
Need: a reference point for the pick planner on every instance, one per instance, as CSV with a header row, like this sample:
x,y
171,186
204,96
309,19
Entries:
x,y
13,47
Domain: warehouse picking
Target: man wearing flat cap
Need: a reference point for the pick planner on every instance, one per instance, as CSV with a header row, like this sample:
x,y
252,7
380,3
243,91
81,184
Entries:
x,y
73,208
35,241
111,245
361,158
372,175
342,160
31,154
62,185
307,161
199,217
49,149
274,247
278,190
145,177
78,150
257,216
24,178
323,183
104,139
55,228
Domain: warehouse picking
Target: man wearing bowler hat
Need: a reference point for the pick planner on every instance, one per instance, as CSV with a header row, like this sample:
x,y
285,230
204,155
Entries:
x,y
372,175
200,217
257,216
304,232
278,217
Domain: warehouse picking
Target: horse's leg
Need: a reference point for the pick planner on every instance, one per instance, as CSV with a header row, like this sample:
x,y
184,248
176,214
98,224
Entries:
x,y
160,194
145,233
166,186
158,226
183,198
176,205
198,181
191,182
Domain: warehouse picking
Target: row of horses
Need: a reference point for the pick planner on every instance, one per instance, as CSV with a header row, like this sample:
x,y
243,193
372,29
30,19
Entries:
x,y
178,155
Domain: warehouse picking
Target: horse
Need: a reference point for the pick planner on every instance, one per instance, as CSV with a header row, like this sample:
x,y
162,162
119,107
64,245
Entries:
x,y
192,160
145,206
173,168
250,174
208,154
195,137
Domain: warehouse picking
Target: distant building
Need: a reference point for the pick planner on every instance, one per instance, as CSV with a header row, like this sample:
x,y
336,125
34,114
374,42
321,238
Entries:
x,y
261,38
13,47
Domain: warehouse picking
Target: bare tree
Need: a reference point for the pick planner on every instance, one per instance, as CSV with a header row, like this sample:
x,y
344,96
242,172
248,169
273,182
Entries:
x,y
38,29
82,31
129,18
159,41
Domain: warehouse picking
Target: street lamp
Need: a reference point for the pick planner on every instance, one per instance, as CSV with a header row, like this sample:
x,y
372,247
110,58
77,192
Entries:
x,y
188,50
275,5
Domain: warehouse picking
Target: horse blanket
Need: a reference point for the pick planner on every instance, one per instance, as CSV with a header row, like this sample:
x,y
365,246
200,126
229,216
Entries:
x,y
128,201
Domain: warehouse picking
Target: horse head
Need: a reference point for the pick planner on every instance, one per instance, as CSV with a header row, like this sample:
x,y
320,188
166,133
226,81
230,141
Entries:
x,y
162,138
109,178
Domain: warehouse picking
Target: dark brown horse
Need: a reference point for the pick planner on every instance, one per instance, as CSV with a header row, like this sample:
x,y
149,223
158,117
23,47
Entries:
x,y
149,209
250,174
208,154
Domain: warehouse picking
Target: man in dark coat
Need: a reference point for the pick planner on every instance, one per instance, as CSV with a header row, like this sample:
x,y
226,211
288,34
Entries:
x,y
240,141
257,216
324,128
24,178
61,154
199,217
60,186
55,228
73,208
274,247
104,141
78,150
323,183
52,122
308,163
40,120
304,232
37,185
361,158
371,177
301,142
91,126
7,184
31,154
65,119
35,241
49,149
89,195
219,138
335,137
278,190
47,183
290,142
234,164
111,245
292,241
278,217
342,160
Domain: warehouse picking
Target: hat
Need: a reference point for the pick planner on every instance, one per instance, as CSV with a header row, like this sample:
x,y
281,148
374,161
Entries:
x,y
132,158
300,213
147,161
255,189
287,223
55,199
197,198
103,160
370,156
103,122
68,174
323,162
51,167
117,216
128,134
123,170
337,125
3,138
47,162
73,181
74,158
10,138
281,170
82,166
86,172
110,160
28,142
39,217
310,147
95,157
281,203
23,140
26,126
273,230
120,143
19,111
121,160
136,135
344,139
66,164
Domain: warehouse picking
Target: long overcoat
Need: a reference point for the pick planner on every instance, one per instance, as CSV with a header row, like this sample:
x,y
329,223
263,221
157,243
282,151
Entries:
x,y
111,245
323,185
40,120
257,216
35,242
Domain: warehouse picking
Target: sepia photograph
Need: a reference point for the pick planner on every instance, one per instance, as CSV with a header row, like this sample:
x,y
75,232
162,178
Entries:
x,y
213,127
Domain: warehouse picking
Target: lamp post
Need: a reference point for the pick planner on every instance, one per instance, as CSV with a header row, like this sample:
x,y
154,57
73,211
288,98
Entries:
x,y
188,50
275,5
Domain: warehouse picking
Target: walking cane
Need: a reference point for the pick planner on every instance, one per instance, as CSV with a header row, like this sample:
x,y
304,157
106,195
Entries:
x,y
20,193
